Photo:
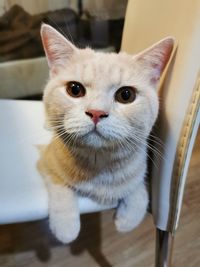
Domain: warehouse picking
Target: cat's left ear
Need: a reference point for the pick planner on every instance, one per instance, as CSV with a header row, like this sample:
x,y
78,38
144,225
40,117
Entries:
x,y
154,59
57,48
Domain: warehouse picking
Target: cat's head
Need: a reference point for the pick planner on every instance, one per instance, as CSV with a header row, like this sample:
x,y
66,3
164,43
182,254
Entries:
x,y
102,99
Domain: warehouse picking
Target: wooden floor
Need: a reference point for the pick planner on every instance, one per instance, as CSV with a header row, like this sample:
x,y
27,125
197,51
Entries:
x,y
32,245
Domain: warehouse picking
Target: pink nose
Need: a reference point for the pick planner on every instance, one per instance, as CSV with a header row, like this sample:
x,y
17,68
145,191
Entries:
x,y
96,115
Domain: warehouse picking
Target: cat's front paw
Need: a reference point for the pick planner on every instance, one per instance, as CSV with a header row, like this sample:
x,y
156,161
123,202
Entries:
x,y
127,217
125,224
64,228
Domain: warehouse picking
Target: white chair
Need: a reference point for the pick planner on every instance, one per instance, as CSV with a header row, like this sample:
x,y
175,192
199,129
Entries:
x,y
23,196
146,22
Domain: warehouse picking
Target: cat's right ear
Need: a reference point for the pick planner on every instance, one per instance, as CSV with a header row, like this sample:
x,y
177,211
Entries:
x,y
57,48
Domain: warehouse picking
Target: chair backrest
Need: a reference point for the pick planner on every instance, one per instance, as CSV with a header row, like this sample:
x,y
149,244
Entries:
x,y
146,23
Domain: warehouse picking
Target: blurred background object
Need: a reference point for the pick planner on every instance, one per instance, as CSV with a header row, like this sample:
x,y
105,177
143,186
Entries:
x,y
97,24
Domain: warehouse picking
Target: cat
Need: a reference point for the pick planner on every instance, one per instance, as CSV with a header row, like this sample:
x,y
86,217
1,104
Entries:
x,y
101,108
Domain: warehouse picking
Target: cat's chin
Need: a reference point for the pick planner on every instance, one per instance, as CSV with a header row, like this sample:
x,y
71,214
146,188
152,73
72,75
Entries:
x,y
94,139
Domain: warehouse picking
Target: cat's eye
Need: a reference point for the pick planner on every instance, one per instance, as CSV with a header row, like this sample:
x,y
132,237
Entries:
x,y
125,94
75,89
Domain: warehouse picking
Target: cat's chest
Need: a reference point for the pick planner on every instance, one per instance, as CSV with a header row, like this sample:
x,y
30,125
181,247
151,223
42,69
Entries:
x,y
111,185
89,166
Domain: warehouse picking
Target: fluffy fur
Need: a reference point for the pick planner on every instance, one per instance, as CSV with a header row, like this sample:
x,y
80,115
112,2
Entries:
x,y
107,165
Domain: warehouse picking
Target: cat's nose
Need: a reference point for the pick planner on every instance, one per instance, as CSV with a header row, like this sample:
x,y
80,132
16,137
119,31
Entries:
x,y
96,115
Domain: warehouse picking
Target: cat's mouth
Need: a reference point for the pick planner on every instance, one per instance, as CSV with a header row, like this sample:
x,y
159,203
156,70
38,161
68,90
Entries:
x,y
95,132
94,138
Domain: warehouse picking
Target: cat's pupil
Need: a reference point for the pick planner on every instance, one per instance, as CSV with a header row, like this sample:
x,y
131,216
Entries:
x,y
75,89
125,94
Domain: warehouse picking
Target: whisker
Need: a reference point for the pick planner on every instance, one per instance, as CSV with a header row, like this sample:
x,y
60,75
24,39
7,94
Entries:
x,y
142,150
151,147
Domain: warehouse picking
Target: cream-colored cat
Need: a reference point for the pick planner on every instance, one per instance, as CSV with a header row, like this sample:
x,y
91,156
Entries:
x,y
101,108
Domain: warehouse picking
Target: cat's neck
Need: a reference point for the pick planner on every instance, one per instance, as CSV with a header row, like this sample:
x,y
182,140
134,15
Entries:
x,y
98,157
74,164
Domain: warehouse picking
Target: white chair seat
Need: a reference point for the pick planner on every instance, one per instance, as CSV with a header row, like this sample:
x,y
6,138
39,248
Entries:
x,y
23,196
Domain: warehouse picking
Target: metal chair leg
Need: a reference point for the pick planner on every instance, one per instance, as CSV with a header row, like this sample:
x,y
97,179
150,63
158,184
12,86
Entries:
x,y
164,245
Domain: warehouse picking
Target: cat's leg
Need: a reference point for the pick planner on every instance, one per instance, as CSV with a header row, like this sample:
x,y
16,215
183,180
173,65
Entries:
x,y
132,209
64,217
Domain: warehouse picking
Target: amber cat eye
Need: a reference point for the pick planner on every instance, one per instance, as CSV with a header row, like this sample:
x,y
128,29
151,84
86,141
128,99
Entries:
x,y
75,89
125,94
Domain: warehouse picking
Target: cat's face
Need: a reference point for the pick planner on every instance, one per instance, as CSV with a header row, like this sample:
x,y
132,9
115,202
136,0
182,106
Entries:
x,y
101,99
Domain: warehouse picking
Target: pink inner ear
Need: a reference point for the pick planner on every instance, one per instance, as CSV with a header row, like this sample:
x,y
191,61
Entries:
x,y
162,59
57,48
49,53
157,70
